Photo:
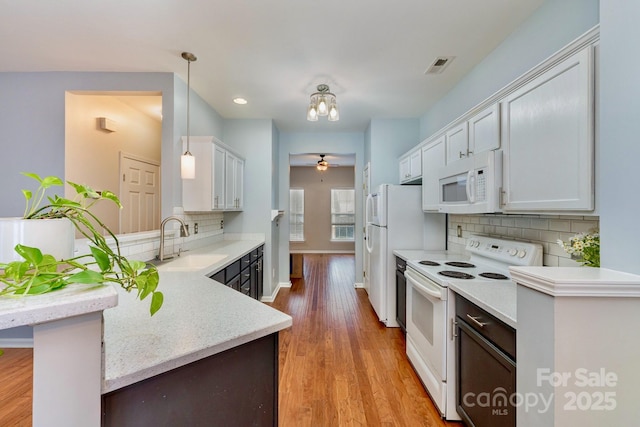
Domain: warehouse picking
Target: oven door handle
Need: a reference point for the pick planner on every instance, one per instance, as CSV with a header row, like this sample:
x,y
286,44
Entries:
x,y
425,288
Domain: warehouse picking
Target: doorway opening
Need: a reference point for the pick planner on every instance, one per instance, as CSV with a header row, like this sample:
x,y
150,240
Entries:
x,y
113,142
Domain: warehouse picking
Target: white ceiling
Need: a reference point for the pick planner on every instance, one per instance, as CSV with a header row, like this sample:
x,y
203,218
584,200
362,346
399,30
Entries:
x,y
372,53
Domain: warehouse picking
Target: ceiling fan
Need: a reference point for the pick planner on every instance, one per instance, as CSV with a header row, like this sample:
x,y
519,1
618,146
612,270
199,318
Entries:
x,y
323,164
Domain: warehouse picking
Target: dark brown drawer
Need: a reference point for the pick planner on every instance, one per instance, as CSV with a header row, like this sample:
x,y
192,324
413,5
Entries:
x,y
245,261
233,270
499,333
401,264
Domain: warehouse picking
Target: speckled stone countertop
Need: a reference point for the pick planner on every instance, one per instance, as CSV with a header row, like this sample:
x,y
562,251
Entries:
x,y
73,300
498,298
200,317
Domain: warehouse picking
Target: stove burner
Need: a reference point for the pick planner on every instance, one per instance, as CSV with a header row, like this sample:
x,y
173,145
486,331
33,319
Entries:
x,y
455,274
431,263
496,276
460,264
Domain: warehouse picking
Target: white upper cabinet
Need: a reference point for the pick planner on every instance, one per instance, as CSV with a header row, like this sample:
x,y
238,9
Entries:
x,y
411,166
215,182
548,139
433,158
234,180
484,130
457,141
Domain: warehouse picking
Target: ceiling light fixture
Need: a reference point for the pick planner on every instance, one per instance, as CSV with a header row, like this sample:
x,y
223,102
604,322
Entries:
x,y
240,101
187,161
322,164
323,103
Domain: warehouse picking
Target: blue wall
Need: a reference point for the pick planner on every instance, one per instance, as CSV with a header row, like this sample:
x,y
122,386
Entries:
x,y
386,140
619,136
553,25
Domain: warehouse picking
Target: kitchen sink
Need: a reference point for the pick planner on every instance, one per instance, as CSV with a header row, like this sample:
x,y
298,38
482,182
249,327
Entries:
x,y
189,262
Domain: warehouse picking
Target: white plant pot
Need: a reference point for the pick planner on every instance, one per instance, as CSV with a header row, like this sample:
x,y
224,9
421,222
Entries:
x,y
51,236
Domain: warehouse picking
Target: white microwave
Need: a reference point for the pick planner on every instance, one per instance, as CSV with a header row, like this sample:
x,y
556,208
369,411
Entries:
x,y
471,185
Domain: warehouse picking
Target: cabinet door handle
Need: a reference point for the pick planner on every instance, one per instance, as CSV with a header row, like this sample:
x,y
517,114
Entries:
x,y
247,261
476,321
461,154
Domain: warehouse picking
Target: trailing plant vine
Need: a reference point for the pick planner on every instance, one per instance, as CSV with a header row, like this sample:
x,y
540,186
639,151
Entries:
x,y
41,273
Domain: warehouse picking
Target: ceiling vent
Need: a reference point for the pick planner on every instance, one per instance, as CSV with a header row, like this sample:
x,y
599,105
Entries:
x,y
440,63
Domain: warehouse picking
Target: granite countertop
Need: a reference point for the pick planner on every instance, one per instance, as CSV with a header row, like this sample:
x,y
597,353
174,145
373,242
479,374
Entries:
x,y
498,298
72,300
200,317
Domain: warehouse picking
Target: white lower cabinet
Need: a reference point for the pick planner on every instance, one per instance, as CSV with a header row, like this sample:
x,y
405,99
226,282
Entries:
x,y
219,180
433,158
548,139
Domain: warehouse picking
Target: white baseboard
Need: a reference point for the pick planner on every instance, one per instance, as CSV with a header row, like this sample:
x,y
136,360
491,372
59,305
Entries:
x,y
272,297
358,285
16,342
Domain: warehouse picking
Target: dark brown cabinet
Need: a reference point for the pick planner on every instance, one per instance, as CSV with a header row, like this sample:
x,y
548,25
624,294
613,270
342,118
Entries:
x,y
401,294
238,387
244,275
486,367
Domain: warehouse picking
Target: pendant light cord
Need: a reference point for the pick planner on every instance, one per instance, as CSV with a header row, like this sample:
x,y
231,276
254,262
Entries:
x,y
188,100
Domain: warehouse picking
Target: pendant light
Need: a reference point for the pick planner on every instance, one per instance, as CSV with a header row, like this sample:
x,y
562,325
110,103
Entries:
x,y
187,161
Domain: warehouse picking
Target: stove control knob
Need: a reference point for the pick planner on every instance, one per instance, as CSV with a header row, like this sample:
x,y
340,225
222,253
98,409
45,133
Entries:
x,y
476,243
512,252
522,253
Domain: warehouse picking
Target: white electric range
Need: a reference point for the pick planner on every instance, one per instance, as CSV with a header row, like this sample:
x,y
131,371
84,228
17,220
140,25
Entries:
x,y
431,308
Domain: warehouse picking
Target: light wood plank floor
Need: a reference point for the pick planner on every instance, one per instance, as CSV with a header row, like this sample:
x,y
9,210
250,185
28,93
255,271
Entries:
x,y
16,373
339,366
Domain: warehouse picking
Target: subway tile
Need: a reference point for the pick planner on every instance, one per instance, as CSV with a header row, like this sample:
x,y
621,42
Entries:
x,y
501,231
514,233
550,260
531,234
495,221
485,221
582,226
523,222
568,262
549,236
508,222
540,224
559,225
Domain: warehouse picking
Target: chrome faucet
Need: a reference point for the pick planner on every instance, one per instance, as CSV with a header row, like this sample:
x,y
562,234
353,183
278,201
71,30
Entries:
x,y
184,232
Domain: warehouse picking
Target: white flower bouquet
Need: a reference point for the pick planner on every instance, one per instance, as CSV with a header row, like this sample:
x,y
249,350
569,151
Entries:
x,y
584,246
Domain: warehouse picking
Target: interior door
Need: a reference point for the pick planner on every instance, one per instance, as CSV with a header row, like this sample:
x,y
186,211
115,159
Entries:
x,y
139,194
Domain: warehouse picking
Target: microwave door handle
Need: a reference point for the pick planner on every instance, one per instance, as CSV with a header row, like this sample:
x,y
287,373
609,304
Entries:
x,y
471,196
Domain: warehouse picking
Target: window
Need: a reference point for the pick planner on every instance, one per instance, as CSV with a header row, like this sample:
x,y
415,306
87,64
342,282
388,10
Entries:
x,y
296,216
343,214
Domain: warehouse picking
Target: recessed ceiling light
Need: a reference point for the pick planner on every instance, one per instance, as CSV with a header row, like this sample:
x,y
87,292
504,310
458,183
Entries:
x,y
240,101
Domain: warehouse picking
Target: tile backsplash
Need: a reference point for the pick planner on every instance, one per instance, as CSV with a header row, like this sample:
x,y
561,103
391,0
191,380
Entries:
x,y
145,246
543,229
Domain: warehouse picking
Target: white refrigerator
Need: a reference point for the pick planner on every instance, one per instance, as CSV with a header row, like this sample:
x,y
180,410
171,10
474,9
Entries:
x,y
395,220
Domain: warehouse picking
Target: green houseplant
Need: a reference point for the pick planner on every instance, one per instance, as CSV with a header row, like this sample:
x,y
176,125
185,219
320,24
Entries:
x,y
37,272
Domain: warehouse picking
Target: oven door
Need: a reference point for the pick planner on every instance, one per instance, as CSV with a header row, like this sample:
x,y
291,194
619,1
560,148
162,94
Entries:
x,y
426,334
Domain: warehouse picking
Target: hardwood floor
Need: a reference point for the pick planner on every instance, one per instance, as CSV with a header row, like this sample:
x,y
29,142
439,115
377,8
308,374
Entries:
x,y
339,366
16,366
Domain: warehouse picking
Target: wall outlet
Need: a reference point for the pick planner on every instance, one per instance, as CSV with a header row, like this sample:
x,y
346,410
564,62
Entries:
x,y
459,231
195,228
221,224
182,233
